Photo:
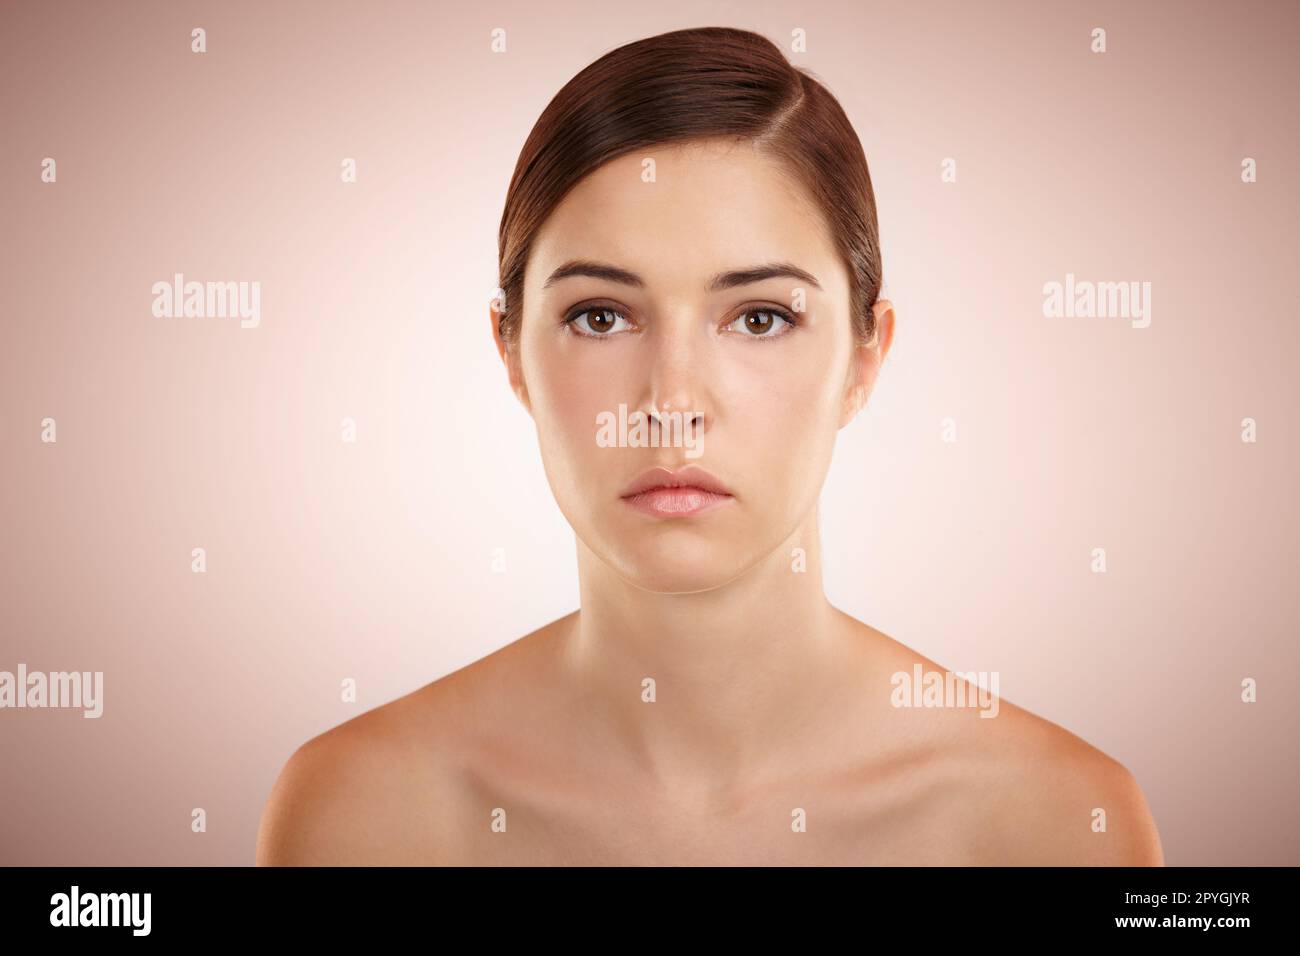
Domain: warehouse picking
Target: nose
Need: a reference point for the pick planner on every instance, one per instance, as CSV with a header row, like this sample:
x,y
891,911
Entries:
x,y
661,415
675,386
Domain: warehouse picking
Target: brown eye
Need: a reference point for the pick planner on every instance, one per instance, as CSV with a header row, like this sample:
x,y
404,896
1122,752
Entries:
x,y
597,321
759,323
603,322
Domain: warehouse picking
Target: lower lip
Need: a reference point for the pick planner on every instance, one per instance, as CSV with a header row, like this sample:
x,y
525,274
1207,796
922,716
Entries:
x,y
676,502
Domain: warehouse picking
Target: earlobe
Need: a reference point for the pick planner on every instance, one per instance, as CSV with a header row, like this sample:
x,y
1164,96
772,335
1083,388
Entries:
x,y
883,312
516,375
509,358
864,366
494,320
855,394
521,393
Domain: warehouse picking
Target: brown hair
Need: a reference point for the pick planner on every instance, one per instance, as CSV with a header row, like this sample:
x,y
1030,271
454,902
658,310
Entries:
x,y
684,85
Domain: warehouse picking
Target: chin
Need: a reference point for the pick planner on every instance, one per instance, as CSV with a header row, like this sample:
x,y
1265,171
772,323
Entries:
x,y
676,560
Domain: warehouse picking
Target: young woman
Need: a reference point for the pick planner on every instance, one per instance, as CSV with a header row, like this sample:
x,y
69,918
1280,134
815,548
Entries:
x,y
690,244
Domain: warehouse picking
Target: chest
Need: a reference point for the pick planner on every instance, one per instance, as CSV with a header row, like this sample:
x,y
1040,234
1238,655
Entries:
x,y
788,826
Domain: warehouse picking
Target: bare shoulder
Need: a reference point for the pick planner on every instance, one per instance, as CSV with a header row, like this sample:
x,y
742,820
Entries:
x,y
388,786
1026,791
345,796
1063,802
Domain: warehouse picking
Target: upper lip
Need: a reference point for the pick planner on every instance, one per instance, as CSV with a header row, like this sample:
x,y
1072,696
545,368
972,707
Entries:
x,y
692,476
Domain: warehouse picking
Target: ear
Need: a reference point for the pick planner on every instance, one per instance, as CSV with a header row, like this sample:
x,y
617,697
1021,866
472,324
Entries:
x,y
864,364
510,357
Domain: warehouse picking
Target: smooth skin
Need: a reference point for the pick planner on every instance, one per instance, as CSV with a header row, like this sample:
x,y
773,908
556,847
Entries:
x,y
770,705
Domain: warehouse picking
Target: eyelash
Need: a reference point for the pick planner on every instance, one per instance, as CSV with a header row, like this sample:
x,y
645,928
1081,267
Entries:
x,y
782,314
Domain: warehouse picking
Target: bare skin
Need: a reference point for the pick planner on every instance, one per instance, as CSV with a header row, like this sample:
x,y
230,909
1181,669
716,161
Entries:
x,y
772,736
417,781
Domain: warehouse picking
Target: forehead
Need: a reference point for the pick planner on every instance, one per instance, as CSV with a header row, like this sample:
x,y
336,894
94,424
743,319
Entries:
x,y
709,206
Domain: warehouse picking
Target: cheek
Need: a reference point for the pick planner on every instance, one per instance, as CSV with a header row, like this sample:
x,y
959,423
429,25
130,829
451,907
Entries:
x,y
568,391
792,396
782,416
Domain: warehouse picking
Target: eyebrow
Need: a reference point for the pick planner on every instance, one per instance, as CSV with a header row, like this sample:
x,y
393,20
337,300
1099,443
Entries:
x,y
721,281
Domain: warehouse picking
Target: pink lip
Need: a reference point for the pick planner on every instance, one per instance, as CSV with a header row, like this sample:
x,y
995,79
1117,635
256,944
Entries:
x,y
676,494
676,502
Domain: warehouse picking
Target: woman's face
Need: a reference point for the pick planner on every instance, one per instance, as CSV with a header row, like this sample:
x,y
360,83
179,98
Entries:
x,y
662,334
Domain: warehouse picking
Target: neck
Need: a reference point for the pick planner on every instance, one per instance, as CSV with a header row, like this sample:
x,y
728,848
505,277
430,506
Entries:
x,y
739,671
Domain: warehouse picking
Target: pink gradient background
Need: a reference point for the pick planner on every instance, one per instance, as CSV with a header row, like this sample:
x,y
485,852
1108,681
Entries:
x,y
373,561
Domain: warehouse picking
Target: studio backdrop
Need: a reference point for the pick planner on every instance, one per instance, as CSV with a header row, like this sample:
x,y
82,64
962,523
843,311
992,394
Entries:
x,y
244,525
